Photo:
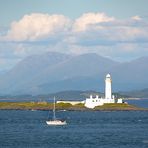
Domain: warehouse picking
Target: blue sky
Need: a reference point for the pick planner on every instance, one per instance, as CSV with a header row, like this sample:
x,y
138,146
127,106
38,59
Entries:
x,y
113,28
73,9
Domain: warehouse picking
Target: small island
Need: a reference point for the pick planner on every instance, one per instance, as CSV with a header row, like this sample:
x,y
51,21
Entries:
x,y
66,106
107,103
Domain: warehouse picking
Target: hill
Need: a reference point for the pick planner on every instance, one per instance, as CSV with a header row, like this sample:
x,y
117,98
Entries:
x,y
63,95
28,68
54,72
130,75
137,93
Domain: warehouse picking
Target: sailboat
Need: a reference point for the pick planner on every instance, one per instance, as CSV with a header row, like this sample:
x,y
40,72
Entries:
x,y
55,121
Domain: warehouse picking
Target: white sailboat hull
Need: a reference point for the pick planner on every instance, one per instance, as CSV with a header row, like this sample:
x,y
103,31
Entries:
x,y
56,122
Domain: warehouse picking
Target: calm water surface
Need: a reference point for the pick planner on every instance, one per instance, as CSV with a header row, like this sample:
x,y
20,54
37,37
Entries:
x,y
27,129
140,103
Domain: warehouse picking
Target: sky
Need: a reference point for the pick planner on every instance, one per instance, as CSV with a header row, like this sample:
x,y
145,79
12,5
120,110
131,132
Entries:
x,y
117,29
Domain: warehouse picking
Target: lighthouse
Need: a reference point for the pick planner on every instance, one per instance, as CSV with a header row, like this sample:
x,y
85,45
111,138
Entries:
x,y
108,89
99,101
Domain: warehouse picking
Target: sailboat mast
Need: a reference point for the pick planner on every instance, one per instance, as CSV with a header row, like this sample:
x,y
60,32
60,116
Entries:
x,y
54,117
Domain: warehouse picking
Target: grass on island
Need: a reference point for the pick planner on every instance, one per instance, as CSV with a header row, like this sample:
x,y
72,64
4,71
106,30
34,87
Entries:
x,y
117,106
25,105
63,106
40,106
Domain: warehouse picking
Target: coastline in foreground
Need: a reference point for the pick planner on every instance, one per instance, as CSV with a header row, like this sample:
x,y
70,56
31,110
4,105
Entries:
x,y
66,106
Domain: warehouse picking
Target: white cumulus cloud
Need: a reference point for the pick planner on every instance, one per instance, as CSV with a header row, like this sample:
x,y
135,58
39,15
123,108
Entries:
x,y
87,19
91,32
37,26
136,17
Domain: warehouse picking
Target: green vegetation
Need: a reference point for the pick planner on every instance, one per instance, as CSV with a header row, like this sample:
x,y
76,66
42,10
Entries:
x,y
63,106
119,106
25,105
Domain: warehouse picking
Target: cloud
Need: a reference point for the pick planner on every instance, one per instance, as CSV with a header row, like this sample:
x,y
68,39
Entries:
x,y
37,26
87,19
136,17
92,32
112,32
95,28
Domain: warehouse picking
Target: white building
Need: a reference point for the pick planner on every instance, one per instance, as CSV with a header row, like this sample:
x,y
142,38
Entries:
x,y
108,87
109,98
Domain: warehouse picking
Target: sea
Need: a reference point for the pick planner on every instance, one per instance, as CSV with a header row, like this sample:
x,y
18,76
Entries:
x,y
85,129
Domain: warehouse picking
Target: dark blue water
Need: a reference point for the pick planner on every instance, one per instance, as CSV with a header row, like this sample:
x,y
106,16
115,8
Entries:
x,y
118,129
140,103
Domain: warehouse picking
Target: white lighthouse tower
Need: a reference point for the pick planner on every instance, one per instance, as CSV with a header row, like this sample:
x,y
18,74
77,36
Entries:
x,y
108,89
99,101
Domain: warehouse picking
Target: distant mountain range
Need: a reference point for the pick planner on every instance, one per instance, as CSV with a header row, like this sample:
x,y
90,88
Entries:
x,y
136,93
63,95
53,72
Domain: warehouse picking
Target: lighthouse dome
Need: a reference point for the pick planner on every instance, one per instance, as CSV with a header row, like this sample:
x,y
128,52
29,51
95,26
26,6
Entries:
x,y
108,76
